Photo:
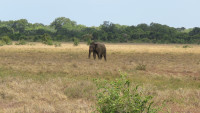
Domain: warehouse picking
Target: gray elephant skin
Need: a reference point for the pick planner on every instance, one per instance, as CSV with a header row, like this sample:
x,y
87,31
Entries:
x,y
98,49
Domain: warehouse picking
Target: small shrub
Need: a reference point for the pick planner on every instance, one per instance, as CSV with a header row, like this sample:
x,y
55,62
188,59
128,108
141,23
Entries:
x,y
76,41
141,67
7,40
57,44
187,46
46,39
21,42
49,42
2,43
118,97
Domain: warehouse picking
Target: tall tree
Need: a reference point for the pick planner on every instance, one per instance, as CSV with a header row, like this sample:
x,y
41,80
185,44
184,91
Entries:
x,y
58,23
20,25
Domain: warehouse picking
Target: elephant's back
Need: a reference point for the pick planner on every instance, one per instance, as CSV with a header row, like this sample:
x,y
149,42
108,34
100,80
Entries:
x,y
101,44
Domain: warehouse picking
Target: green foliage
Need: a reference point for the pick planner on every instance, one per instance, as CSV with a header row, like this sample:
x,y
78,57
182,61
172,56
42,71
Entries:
x,y
2,43
61,22
64,29
46,39
6,40
5,30
89,41
21,42
76,41
87,38
20,25
49,42
119,97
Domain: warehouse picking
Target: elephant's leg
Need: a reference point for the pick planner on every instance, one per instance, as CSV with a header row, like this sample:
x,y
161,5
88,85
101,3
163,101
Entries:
x,y
94,55
89,54
104,56
98,55
101,56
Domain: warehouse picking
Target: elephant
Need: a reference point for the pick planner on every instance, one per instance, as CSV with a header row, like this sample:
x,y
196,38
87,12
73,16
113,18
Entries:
x,y
98,49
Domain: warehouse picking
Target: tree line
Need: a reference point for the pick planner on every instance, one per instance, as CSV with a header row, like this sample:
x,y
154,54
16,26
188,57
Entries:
x,y
64,29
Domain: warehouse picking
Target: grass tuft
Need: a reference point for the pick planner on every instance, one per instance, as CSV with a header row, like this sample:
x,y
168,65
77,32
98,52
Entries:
x,y
81,89
141,67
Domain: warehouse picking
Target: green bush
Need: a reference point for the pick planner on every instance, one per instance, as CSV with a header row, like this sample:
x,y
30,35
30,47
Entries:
x,y
21,42
76,41
49,42
46,39
2,43
118,97
7,40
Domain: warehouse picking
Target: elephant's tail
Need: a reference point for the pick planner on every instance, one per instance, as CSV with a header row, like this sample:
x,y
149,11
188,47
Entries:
x,y
105,56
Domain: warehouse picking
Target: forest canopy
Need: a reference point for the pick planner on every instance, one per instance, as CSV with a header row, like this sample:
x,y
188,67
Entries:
x,y
64,29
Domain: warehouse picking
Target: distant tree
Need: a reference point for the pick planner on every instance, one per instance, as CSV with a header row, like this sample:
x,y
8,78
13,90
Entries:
x,y
95,36
195,31
87,37
20,25
58,23
180,29
64,29
6,31
144,27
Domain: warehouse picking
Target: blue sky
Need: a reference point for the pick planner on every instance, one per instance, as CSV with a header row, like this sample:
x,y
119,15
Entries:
x,y
174,13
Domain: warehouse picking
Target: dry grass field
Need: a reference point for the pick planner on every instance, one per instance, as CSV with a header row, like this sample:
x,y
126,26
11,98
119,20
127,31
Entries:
x,y
38,78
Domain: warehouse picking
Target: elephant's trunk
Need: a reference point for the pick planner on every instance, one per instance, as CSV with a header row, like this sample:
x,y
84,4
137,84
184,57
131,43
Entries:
x,y
89,54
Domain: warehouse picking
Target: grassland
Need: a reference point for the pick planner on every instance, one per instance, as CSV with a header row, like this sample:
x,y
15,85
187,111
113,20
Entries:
x,y
41,78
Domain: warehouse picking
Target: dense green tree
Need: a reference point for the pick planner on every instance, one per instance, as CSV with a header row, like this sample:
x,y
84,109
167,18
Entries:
x,y
20,25
5,30
195,31
64,29
60,22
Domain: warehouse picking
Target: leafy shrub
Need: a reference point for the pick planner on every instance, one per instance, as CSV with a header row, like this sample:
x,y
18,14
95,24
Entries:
x,y
187,46
49,42
2,43
76,41
7,40
46,39
118,97
21,42
141,67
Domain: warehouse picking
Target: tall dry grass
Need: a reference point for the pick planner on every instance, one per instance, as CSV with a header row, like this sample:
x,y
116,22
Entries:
x,y
41,78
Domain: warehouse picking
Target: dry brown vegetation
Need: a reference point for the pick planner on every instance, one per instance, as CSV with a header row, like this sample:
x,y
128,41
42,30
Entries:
x,y
41,78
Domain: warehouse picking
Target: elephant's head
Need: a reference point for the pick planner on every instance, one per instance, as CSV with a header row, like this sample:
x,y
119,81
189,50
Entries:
x,y
92,48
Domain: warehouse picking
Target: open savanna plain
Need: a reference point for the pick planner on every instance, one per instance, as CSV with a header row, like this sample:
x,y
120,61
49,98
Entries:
x,y
37,78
